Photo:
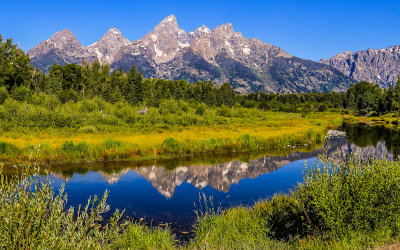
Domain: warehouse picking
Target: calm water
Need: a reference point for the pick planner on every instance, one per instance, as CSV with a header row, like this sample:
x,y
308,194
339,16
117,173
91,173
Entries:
x,y
168,193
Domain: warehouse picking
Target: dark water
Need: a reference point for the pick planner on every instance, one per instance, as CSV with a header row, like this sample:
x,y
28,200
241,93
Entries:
x,y
170,192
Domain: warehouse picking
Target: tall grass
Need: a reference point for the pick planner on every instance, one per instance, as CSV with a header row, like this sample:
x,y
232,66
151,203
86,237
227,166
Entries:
x,y
347,204
33,216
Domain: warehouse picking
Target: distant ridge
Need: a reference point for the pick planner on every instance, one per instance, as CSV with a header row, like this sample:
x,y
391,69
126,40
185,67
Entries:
x,y
380,66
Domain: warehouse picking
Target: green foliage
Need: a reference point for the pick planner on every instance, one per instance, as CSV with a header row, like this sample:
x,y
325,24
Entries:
x,y
88,129
20,93
33,216
15,67
352,196
323,107
3,95
396,97
7,149
141,237
171,146
72,148
345,204
226,95
110,143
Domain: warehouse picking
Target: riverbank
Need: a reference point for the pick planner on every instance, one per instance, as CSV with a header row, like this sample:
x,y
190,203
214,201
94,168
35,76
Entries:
x,y
339,205
390,120
256,131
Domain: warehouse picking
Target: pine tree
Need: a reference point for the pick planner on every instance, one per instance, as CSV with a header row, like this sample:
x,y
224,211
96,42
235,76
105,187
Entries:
x,y
134,91
226,95
15,65
396,97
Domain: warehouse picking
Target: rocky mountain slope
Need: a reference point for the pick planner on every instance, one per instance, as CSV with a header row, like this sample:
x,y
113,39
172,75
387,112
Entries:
x,y
378,66
218,55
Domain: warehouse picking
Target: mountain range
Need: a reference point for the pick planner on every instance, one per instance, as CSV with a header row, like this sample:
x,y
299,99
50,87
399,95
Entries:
x,y
219,55
380,66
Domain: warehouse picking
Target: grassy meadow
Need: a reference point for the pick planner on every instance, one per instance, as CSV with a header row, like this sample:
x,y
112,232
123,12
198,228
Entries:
x,y
175,129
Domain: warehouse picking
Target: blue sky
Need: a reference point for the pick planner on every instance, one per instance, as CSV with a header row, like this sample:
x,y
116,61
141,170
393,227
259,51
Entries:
x,y
307,29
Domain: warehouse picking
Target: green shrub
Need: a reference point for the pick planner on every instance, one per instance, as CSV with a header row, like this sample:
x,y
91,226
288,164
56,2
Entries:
x,y
322,107
88,105
20,93
141,237
7,149
88,129
72,148
168,107
68,95
3,95
352,196
171,145
110,143
201,109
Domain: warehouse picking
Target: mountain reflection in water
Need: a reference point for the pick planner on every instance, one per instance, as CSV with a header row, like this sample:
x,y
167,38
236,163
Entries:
x,y
218,176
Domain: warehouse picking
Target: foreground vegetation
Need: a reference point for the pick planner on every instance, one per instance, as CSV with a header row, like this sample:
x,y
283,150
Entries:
x,y
340,204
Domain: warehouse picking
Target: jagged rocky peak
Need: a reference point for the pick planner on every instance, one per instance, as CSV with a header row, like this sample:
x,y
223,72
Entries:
x,y
226,28
168,23
197,33
380,66
109,45
62,40
166,40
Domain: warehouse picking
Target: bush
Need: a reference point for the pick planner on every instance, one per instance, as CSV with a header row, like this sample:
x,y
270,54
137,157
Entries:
x,y
20,93
171,145
7,149
88,129
323,107
3,95
352,195
168,107
72,148
110,143
68,95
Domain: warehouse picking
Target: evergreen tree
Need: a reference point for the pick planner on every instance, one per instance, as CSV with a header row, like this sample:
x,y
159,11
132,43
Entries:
x,y
396,97
134,91
226,95
15,67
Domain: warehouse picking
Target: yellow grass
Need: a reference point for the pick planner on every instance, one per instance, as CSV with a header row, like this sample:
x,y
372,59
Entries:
x,y
276,125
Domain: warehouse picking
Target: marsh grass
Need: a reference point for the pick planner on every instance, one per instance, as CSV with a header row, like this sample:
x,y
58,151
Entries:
x,y
194,141
88,130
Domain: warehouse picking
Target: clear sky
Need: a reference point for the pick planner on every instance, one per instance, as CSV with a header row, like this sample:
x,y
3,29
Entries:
x,y
307,29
